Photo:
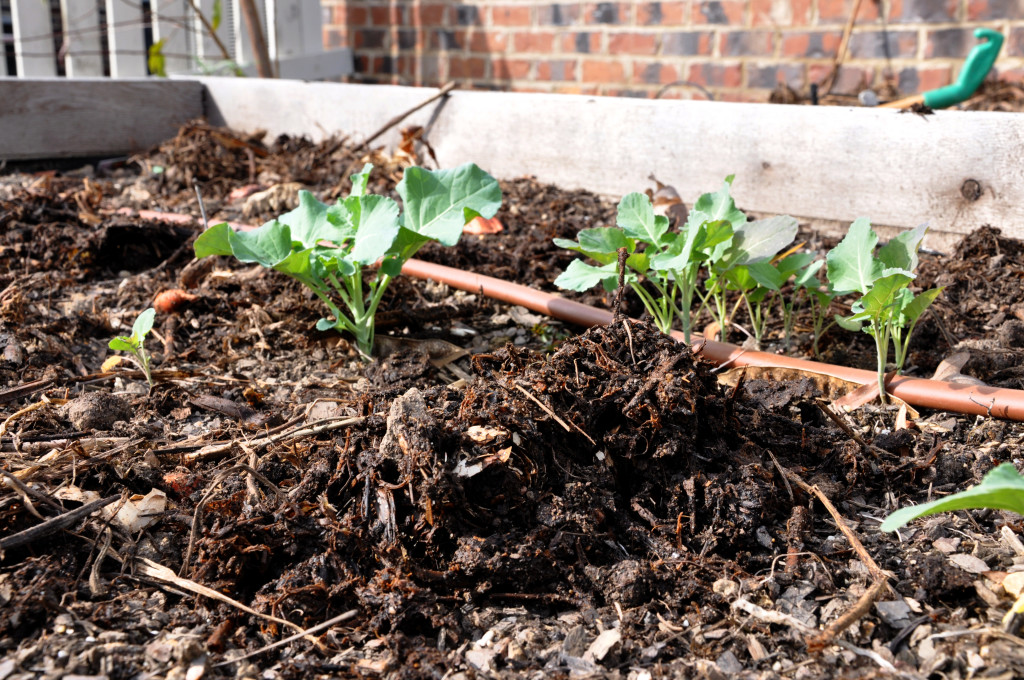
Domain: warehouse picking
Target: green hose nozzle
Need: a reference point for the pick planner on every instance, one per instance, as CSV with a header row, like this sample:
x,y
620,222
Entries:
x,y
976,67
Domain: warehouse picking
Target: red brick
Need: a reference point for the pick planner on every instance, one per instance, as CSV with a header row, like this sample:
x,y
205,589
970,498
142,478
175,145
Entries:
x,y
838,11
781,13
716,74
510,15
603,71
482,40
668,14
607,12
407,67
994,10
558,69
534,41
632,43
512,69
386,16
467,67
747,43
810,44
370,39
429,15
934,77
570,42
654,73
357,16
730,12
853,79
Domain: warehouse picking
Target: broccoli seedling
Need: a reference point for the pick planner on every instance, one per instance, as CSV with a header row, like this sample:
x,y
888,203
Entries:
x,y
134,344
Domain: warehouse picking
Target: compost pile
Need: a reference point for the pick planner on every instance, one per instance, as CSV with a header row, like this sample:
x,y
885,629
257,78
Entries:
x,y
494,495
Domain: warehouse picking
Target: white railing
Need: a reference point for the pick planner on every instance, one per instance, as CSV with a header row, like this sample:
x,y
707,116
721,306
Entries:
x,y
96,38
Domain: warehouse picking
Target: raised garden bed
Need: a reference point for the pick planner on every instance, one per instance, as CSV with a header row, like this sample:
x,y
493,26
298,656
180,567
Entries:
x,y
497,493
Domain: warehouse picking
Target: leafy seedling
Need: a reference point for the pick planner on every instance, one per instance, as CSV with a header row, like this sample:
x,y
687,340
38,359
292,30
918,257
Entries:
x,y
134,344
887,309
1001,489
334,250
663,266
741,258
636,225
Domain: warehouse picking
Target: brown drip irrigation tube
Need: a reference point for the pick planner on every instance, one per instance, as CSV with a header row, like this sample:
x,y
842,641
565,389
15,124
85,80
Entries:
x,y
979,400
971,399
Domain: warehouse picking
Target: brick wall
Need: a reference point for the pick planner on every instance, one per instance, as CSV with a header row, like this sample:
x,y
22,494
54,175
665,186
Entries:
x,y
738,50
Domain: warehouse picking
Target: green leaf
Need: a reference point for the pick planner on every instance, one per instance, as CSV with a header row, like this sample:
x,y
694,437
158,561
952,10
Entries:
x,y
793,264
901,251
767,275
580,276
851,265
218,12
214,241
604,240
852,323
123,344
739,278
267,245
763,239
311,224
720,206
636,217
360,180
1001,489
156,61
376,220
912,311
436,203
143,324
807,279
391,266
882,300
717,240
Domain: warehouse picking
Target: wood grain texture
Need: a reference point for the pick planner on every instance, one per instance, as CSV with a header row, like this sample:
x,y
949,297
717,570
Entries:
x,y
955,170
57,118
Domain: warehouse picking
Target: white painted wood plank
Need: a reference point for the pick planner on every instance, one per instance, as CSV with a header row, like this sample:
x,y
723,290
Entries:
x,y
52,118
171,21
825,163
83,55
126,39
34,54
331,64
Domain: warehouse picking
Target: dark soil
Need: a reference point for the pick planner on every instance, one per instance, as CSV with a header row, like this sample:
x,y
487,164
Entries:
x,y
495,495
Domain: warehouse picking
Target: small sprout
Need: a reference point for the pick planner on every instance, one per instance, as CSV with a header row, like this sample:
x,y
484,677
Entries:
x,y
134,343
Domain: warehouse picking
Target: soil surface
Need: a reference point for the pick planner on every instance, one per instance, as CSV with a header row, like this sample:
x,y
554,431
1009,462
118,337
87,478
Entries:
x,y
496,494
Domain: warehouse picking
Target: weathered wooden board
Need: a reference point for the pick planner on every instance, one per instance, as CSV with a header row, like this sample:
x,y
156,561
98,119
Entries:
x,y
955,170
57,118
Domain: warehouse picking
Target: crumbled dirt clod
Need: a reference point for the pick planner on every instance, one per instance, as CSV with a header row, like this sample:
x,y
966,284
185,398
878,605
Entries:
x,y
97,411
